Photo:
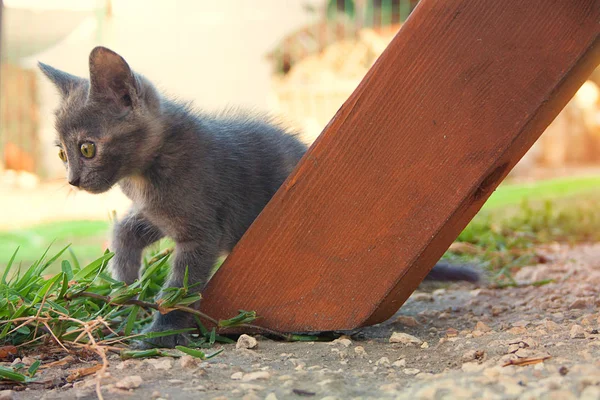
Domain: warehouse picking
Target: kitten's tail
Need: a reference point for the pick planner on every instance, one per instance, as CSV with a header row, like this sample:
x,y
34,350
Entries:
x,y
452,273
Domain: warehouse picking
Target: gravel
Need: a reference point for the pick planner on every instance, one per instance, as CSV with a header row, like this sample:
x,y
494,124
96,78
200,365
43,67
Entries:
x,y
449,342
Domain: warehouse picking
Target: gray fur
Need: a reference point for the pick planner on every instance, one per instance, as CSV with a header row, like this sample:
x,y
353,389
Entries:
x,y
198,179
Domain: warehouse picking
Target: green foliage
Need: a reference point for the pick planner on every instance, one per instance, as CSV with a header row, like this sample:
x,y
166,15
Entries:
x,y
504,239
84,306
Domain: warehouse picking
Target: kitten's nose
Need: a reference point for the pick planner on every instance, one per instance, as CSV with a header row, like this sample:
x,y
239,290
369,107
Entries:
x,y
74,182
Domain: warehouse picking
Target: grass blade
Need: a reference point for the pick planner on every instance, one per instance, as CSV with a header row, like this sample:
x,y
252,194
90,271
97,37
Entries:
x,y
10,262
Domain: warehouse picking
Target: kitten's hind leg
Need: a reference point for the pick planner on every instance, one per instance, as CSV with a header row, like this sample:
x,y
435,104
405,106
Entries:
x,y
130,236
199,259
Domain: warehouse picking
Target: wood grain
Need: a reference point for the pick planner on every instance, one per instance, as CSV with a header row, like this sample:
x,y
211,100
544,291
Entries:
x,y
458,97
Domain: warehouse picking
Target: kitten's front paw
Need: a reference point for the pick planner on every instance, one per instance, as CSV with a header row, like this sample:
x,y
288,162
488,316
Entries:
x,y
174,320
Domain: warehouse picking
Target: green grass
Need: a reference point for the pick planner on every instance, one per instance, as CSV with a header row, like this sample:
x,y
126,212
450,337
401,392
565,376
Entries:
x,y
514,194
87,237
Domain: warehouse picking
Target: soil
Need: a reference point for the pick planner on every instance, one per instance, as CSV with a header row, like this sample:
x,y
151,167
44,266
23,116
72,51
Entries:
x,y
463,340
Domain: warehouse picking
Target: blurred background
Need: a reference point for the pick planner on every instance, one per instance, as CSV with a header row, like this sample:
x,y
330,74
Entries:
x,y
297,59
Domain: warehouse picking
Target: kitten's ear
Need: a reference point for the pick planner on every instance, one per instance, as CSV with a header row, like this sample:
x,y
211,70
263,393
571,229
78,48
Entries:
x,y
111,79
64,82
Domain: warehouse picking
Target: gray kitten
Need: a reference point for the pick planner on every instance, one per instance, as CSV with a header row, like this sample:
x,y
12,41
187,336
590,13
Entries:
x,y
198,179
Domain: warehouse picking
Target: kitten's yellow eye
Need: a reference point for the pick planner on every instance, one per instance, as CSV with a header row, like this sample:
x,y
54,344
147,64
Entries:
x,y
62,155
88,150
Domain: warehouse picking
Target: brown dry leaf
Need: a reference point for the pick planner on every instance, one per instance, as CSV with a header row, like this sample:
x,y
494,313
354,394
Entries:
x,y
7,351
526,361
59,363
81,372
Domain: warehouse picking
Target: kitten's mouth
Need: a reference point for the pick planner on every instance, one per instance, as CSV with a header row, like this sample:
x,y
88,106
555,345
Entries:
x,y
100,188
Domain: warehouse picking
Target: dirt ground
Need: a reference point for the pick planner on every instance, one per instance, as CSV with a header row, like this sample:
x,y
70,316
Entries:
x,y
461,338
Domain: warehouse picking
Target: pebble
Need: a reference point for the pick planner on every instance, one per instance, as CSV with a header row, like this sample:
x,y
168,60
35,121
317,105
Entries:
x,y
473,355
188,361
481,326
130,382
407,321
271,396
7,395
551,326
344,341
236,376
404,338
383,361
422,297
246,342
162,363
577,332
28,360
400,363
360,351
411,371
252,376
581,303
517,330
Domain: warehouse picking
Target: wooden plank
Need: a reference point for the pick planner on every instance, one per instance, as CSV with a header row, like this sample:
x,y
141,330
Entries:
x,y
459,96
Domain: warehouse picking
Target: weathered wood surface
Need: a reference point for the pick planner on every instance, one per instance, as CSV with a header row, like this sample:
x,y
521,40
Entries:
x,y
459,96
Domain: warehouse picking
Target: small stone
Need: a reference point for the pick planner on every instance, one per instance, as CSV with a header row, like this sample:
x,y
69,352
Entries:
x,y
422,297
7,395
271,396
451,332
521,323
513,347
129,364
404,338
473,355
524,353
236,376
252,376
497,310
383,361
360,351
246,342
517,330
130,382
411,371
425,345
580,304
577,332
187,361
162,363
563,370
399,363
28,360
344,341
551,326
480,326
407,321
155,394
